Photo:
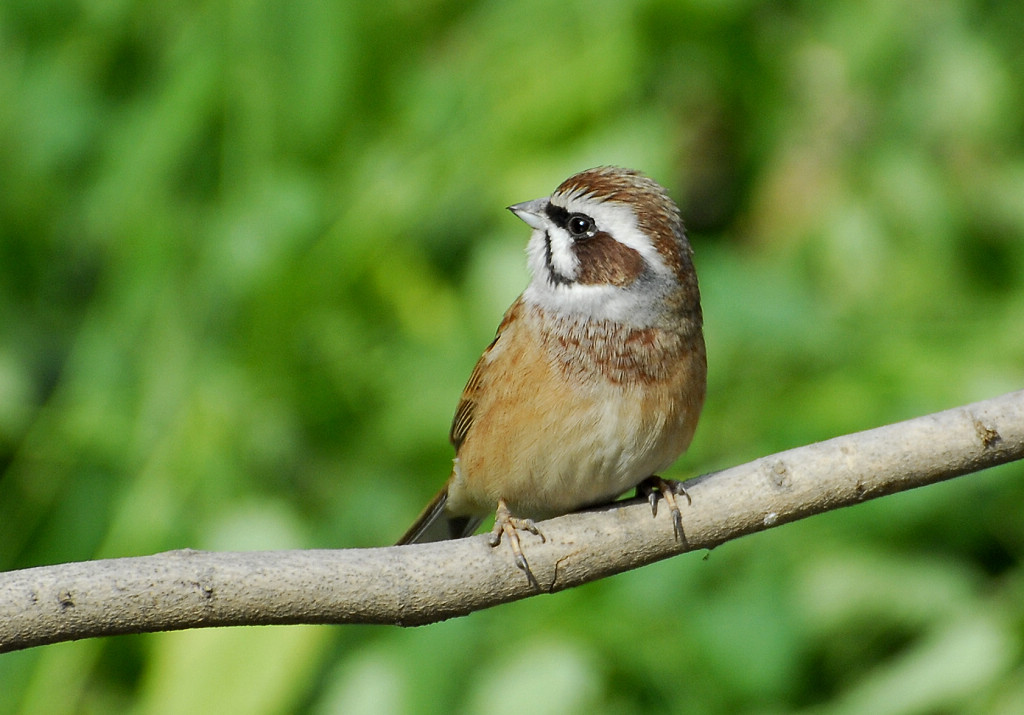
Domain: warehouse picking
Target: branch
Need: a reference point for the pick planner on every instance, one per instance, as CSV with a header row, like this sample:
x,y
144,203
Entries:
x,y
412,585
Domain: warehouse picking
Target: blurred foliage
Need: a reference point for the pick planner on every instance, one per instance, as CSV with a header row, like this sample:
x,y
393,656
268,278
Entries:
x,y
249,253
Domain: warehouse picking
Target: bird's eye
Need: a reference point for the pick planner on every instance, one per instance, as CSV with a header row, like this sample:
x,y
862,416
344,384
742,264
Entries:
x,y
580,227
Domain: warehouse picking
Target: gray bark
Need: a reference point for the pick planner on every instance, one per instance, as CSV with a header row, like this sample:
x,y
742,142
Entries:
x,y
418,584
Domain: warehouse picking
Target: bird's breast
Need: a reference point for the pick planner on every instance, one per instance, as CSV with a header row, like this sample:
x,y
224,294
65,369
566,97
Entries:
x,y
569,412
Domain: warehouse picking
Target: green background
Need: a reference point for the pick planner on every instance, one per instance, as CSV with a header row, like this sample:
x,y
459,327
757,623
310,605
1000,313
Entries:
x,y
250,251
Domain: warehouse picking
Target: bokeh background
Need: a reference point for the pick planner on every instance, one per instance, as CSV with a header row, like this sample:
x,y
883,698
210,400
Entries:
x,y
250,251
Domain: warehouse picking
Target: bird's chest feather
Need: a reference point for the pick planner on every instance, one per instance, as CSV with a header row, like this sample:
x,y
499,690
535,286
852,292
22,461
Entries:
x,y
566,413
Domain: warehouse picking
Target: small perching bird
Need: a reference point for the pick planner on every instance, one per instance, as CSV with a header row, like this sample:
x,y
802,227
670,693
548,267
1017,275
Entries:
x,y
595,380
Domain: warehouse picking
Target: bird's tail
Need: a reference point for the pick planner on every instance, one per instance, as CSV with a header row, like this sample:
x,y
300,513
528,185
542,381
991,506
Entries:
x,y
434,524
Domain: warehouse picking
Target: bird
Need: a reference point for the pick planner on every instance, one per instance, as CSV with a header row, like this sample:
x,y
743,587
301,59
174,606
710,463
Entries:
x,y
596,377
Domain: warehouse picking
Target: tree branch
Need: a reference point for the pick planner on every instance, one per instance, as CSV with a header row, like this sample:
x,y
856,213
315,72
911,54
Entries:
x,y
412,585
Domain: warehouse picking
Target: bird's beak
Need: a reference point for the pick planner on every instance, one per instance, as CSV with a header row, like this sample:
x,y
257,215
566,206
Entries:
x,y
532,212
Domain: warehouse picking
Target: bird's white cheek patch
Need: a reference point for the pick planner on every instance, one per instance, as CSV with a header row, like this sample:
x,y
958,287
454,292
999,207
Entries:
x,y
551,256
561,258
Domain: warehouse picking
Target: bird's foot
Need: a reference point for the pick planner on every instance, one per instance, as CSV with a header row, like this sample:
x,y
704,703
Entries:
x,y
509,526
669,490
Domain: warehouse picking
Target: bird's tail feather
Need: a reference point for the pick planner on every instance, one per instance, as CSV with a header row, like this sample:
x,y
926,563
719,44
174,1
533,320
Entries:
x,y
433,524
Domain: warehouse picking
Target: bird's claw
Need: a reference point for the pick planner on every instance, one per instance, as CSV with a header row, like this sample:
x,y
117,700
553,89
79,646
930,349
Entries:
x,y
509,526
669,489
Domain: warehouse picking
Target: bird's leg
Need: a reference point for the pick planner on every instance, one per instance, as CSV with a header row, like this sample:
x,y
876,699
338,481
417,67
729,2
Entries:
x,y
669,489
507,525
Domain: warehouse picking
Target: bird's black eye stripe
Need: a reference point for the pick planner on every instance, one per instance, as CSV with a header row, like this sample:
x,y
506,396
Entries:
x,y
580,226
557,214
